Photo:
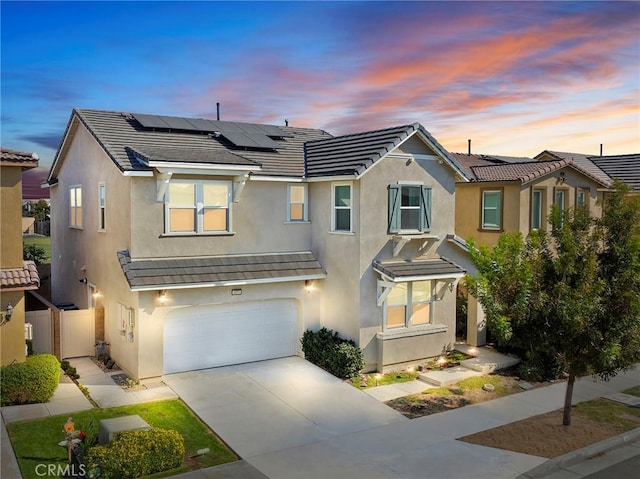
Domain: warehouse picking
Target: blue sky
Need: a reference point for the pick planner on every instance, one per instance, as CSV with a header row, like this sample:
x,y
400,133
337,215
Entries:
x,y
515,77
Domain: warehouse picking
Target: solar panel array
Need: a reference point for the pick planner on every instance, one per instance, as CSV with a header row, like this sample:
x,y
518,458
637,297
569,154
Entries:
x,y
242,135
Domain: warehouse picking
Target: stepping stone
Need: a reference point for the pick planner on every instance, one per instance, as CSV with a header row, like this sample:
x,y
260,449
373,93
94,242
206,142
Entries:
x,y
524,385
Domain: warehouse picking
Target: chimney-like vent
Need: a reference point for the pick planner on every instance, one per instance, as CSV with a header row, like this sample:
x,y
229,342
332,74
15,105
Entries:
x,y
600,149
218,111
469,147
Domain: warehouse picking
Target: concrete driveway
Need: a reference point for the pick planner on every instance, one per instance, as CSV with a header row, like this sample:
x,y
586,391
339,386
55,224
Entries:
x,y
269,406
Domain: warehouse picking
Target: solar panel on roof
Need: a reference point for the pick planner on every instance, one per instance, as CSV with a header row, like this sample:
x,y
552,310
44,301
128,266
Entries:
x,y
272,130
244,140
177,123
201,124
150,121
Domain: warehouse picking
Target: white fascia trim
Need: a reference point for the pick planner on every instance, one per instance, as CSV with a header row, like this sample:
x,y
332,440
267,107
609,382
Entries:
x,y
230,283
317,179
408,279
390,154
286,179
137,173
174,166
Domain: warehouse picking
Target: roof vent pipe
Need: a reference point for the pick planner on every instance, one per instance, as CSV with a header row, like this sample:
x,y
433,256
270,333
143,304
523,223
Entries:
x,y
218,111
469,147
286,122
600,149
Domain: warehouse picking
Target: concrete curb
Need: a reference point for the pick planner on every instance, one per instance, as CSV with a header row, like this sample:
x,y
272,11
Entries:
x,y
578,455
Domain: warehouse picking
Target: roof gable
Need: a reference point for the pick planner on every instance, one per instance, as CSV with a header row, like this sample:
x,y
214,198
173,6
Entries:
x,y
581,161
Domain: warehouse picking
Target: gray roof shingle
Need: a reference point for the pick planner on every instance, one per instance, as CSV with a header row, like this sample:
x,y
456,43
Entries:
x,y
120,134
218,270
353,154
625,168
522,172
192,155
581,162
427,269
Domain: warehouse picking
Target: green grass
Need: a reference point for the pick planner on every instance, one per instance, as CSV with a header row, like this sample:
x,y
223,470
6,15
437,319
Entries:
x,y
441,391
611,412
42,241
385,379
635,391
478,381
36,442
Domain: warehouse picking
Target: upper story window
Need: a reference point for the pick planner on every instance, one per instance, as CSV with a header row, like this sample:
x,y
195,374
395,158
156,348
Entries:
x,y
536,209
342,202
297,203
102,206
409,304
409,208
198,207
75,206
491,209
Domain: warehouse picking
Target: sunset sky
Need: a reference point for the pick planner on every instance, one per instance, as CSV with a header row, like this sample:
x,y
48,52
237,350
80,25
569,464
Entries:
x,y
515,77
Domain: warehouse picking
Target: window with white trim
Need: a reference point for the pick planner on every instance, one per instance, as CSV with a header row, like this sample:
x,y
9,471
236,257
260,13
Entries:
x,y
342,204
297,203
409,209
102,207
491,209
198,207
75,206
409,304
582,197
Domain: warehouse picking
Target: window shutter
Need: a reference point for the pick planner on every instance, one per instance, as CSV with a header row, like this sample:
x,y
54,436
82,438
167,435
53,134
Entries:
x,y
425,209
394,208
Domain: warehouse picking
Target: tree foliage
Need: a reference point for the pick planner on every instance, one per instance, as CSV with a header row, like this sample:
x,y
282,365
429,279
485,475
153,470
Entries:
x,y
570,298
32,252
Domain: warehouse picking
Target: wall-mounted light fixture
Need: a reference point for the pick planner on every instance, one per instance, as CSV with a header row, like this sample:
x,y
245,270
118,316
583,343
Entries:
x,y
308,285
561,178
162,296
6,317
83,280
451,284
96,294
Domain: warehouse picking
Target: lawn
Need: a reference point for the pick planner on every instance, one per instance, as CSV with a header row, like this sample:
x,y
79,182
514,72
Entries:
x,y
42,241
36,442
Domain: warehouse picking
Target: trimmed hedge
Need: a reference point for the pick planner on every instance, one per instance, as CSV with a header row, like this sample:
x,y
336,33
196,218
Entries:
x,y
325,348
137,453
34,381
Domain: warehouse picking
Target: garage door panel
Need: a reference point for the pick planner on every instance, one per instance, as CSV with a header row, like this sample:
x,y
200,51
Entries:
x,y
219,335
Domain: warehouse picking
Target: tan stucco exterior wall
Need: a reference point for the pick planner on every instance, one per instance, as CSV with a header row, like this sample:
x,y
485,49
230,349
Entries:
x,y
11,214
12,342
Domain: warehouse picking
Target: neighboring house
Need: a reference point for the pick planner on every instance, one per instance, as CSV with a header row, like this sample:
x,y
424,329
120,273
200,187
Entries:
x,y
625,168
16,275
508,194
211,243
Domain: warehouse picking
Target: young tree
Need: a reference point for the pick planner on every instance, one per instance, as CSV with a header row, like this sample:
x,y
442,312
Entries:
x,y
573,293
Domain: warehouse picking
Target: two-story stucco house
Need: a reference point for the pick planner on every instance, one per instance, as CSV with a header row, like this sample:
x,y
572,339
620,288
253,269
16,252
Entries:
x,y
516,194
16,275
211,243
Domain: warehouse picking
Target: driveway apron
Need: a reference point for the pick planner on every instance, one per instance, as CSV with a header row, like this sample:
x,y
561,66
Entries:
x,y
269,406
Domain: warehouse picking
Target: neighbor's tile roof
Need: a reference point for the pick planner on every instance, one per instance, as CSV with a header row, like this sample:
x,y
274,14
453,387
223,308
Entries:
x,y
353,154
119,134
468,161
24,278
18,158
582,162
427,269
625,168
522,172
218,270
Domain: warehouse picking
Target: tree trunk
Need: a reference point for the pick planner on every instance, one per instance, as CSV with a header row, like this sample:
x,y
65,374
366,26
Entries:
x,y
566,417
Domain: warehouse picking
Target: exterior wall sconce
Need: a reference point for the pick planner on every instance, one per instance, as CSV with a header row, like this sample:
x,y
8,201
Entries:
x,y
7,315
561,179
451,283
83,280
308,285
162,296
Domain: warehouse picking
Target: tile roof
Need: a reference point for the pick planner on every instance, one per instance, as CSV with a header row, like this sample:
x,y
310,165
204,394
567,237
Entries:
x,y
120,134
582,162
192,155
17,279
426,269
353,154
522,172
149,274
625,168
467,161
18,158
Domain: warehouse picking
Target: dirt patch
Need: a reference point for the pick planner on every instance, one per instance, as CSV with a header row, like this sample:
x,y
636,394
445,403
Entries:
x,y
436,400
545,436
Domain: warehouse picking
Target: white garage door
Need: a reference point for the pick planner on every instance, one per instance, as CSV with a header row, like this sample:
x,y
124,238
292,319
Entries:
x,y
200,337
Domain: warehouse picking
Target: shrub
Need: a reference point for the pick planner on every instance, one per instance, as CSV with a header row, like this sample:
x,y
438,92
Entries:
x,y
34,381
137,453
324,348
